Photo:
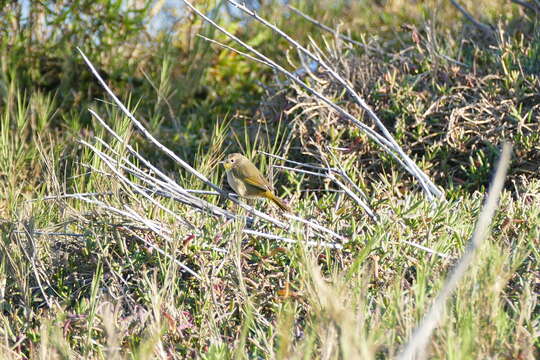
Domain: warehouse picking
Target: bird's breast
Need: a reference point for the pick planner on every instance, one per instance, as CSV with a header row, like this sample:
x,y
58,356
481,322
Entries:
x,y
237,185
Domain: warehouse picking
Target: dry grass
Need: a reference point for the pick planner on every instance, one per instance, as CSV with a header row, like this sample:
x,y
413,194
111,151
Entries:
x,y
81,281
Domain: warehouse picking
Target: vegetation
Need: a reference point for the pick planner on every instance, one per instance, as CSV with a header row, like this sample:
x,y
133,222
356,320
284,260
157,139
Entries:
x,y
79,280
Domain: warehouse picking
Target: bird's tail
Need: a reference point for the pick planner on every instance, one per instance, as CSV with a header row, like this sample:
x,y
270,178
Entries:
x,y
279,202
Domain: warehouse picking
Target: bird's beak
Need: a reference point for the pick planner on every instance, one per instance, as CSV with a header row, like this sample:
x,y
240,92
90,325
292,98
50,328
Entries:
x,y
226,165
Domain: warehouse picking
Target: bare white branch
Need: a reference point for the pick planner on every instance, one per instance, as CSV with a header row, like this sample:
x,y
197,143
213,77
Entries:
x,y
386,142
332,31
486,29
416,346
431,251
292,241
391,145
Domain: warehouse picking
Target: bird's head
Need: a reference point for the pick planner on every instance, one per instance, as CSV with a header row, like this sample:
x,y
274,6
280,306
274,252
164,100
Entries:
x,y
231,160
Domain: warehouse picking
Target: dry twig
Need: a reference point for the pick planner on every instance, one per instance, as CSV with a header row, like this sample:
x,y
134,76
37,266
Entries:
x,y
332,31
416,346
385,141
486,29
525,4
162,185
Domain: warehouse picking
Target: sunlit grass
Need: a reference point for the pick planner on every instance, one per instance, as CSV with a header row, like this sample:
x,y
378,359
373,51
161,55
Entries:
x,y
78,281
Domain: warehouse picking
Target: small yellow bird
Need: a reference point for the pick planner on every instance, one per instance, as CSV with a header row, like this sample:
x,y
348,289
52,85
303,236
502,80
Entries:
x,y
247,181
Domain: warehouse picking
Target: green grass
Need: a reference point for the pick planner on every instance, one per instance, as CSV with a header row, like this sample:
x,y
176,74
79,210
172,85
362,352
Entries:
x,y
79,281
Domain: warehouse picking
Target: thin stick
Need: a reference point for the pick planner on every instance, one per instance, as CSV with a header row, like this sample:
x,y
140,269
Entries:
x,y
359,201
525,5
185,165
315,226
166,184
107,161
193,201
150,224
67,196
292,241
153,246
386,142
331,176
256,59
174,156
379,139
52,233
416,346
307,172
332,31
145,132
486,29
431,251
431,190
296,162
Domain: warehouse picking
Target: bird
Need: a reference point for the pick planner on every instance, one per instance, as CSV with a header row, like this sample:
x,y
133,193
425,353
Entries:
x,y
247,181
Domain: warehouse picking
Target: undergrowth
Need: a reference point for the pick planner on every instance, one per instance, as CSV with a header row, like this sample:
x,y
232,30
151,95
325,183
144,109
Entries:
x,y
77,281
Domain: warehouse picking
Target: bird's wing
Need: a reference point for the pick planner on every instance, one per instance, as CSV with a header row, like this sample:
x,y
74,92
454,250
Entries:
x,y
255,179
